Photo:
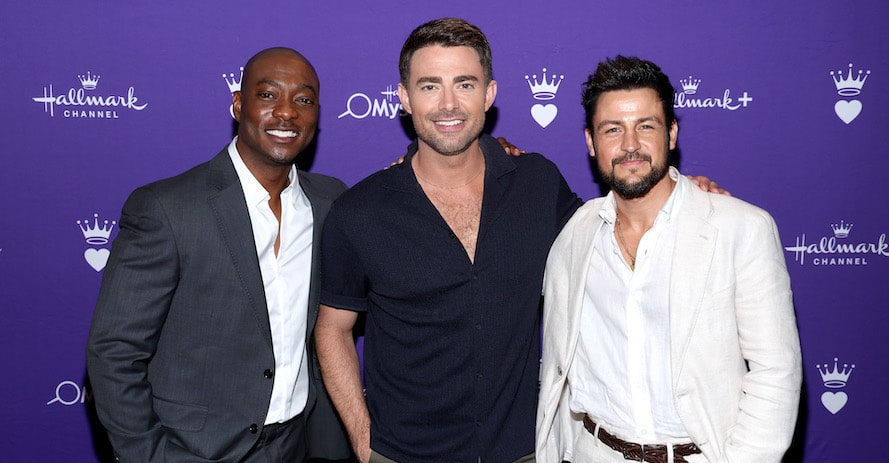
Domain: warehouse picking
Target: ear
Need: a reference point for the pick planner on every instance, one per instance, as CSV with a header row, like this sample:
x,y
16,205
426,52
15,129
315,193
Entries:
x,y
674,133
490,94
236,105
405,98
589,142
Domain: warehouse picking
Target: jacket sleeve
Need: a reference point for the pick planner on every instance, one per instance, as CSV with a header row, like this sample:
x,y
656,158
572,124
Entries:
x,y
770,346
137,289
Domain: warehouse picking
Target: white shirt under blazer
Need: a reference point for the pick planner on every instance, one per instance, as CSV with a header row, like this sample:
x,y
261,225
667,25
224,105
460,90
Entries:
x,y
736,362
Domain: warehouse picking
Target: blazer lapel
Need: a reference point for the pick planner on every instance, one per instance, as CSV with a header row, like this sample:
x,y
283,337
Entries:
x,y
321,202
586,232
233,221
692,261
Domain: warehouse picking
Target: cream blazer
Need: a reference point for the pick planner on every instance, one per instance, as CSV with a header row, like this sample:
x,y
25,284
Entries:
x,y
736,365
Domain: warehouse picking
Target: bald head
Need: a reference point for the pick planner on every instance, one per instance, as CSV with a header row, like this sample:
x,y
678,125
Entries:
x,y
275,52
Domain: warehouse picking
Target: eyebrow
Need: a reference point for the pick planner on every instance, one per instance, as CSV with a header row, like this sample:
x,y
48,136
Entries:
x,y
438,80
638,121
277,84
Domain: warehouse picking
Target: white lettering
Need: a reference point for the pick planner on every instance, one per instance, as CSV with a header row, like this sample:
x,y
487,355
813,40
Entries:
x,y
372,108
681,100
829,245
380,109
79,97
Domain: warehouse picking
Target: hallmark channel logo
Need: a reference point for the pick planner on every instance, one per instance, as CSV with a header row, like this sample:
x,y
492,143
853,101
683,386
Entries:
x,y
690,98
96,235
86,102
544,89
234,85
834,379
361,105
849,86
838,248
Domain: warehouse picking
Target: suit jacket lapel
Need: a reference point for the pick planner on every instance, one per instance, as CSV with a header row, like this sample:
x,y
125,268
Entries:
x,y
233,221
692,261
321,202
589,225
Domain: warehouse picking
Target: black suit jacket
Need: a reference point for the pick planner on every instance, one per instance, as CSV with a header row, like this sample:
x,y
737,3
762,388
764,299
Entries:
x,y
180,338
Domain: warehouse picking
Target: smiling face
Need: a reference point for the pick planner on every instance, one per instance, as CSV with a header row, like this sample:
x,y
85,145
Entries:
x,y
630,140
447,97
277,108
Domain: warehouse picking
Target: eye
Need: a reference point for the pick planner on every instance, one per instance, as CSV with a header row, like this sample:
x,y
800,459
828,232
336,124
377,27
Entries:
x,y
265,95
466,86
305,101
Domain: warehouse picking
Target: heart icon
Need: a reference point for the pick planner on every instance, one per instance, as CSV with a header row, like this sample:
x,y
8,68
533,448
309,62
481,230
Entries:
x,y
834,401
847,110
97,258
544,114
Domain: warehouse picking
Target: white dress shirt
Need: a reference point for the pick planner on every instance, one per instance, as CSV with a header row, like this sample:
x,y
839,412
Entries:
x,y
285,277
621,374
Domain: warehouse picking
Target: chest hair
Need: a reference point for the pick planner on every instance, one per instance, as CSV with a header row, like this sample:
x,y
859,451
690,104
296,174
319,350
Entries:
x,y
461,209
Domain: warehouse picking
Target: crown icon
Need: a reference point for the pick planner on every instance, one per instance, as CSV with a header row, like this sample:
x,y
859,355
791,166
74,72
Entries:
x,y
94,234
841,230
849,86
543,90
690,86
234,85
89,81
836,378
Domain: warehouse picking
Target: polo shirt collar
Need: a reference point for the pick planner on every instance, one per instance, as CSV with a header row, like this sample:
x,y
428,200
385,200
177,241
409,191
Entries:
x,y
497,164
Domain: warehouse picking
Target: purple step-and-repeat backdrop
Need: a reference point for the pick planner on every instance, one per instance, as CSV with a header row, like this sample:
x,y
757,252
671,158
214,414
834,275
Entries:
x,y
784,105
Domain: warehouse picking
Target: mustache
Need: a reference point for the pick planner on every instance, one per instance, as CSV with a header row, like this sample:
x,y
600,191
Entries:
x,y
454,114
636,156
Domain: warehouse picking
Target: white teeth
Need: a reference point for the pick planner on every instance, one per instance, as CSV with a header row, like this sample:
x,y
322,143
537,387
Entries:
x,y
281,133
449,123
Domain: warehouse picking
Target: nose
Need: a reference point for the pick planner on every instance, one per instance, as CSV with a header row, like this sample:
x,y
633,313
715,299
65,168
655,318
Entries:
x,y
630,142
285,109
448,99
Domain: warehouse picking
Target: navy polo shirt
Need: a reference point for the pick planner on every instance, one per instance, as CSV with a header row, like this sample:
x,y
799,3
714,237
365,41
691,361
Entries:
x,y
452,347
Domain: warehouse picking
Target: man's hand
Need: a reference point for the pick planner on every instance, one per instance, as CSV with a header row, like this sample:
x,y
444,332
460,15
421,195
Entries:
x,y
708,185
511,149
363,453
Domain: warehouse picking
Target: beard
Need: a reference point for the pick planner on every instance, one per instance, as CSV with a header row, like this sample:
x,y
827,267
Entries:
x,y
451,144
635,188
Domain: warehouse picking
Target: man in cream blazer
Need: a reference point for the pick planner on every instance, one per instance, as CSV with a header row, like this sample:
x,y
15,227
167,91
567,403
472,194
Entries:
x,y
669,331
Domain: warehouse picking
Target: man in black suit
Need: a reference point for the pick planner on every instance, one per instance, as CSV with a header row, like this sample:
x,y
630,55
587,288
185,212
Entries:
x,y
201,343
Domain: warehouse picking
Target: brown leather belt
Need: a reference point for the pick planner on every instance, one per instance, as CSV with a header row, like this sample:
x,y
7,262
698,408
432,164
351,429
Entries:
x,y
637,452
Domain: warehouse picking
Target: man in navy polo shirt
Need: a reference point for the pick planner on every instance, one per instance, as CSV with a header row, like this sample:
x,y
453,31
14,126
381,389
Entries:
x,y
445,252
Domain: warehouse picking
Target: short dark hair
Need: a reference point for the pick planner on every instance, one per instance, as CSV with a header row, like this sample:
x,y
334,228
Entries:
x,y
627,73
446,32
